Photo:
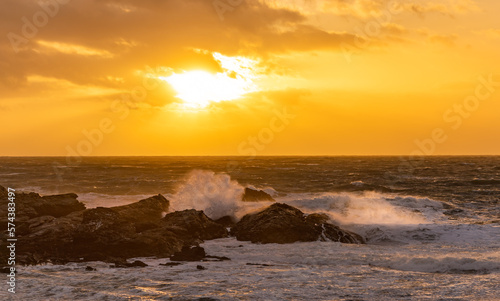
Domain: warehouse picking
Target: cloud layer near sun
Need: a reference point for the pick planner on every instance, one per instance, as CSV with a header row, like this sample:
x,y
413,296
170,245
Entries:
x,y
367,63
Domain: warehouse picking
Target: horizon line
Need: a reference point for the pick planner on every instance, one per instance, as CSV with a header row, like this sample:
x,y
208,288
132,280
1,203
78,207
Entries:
x,y
242,156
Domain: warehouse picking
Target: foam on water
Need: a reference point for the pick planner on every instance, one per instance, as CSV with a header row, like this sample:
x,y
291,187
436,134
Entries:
x,y
415,248
447,264
216,194
300,271
382,218
353,208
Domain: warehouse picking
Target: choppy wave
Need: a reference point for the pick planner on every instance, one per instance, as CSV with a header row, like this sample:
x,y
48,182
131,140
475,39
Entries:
x,y
448,264
382,218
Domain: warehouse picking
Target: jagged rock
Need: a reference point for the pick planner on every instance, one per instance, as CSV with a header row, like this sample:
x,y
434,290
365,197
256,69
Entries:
x,y
193,224
189,254
281,223
252,195
145,211
327,231
105,233
92,234
31,205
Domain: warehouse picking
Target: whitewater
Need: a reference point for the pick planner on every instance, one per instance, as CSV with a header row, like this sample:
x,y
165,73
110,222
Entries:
x,y
432,234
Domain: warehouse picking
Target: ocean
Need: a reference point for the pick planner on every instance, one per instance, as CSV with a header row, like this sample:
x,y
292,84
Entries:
x,y
432,227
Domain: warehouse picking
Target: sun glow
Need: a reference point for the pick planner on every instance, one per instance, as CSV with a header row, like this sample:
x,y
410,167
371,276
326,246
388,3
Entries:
x,y
198,88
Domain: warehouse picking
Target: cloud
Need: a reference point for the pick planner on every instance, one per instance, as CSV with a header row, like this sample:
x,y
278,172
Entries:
x,y
104,43
73,49
364,9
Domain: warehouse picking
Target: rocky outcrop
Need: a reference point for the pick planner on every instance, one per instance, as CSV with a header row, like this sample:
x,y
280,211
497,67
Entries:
x,y
281,223
93,234
59,229
31,205
145,211
252,195
193,224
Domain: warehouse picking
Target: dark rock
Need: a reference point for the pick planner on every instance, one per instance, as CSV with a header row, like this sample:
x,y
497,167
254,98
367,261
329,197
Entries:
x,y
281,223
226,221
252,195
218,258
200,267
5,270
93,234
260,264
106,231
3,192
189,254
144,211
171,264
30,205
144,226
89,268
125,264
317,218
138,263
59,229
59,205
193,224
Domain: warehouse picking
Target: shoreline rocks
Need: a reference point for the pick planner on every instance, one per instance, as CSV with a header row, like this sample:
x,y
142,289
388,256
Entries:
x,y
59,229
282,223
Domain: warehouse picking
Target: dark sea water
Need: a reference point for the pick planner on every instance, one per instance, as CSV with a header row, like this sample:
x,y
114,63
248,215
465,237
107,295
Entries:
x,y
432,226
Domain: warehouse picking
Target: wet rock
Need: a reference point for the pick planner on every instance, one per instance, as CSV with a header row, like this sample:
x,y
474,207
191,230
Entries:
x,y
97,234
90,269
329,232
59,229
145,211
193,224
31,205
5,270
281,223
260,264
189,254
171,264
252,195
226,221
125,264
200,267
217,258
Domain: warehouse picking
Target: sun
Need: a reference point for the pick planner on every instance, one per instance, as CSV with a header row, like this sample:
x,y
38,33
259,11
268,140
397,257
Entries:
x,y
198,88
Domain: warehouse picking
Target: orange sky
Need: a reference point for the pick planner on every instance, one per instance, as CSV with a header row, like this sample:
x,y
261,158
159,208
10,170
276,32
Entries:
x,y
282,77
